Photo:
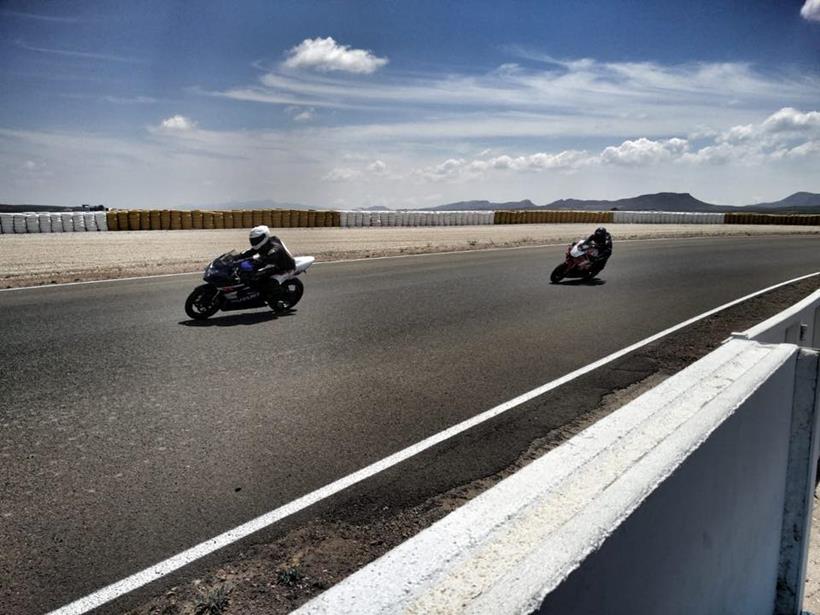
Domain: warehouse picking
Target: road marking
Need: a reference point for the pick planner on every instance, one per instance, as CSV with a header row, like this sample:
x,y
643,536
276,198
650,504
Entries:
x,y
378,258
165,567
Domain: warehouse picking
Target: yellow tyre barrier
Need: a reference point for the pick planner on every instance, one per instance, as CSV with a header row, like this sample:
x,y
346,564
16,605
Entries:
x,y
219,219
111,221
196,219
155,220
227,219
247,219
208,220
133,218
187,221
165,220
276,218
256,217
302,217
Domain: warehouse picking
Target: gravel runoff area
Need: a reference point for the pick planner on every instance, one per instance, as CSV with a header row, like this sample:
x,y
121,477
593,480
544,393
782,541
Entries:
x,y
28,260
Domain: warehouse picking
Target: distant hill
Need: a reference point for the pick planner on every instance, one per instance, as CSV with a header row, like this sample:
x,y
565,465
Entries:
x,y
21,208
662,201
800,202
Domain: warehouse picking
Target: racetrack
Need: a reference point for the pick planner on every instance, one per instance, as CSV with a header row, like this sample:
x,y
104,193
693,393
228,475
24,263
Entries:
x,y
129,433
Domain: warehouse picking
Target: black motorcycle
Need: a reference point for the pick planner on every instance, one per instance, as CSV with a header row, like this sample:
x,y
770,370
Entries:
x,y
226,290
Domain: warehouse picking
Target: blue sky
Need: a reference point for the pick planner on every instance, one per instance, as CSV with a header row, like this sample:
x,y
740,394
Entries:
x,y
406,104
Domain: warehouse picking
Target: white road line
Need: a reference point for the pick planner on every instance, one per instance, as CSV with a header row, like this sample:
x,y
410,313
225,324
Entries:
x,y
379,258
165,567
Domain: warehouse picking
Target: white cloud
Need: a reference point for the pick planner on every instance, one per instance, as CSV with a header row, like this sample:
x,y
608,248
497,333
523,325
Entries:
x,y
644,151
375,170
178,123
811,10
325,54
791,120
304,116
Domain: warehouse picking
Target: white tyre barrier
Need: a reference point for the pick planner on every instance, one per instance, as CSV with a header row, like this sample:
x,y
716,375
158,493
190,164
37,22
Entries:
x,y
343,219
90,221
78,221
68,222
19,223
44,221
56,223
7,223
32,223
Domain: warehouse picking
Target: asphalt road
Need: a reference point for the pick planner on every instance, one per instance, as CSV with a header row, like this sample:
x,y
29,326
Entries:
x,y
128,433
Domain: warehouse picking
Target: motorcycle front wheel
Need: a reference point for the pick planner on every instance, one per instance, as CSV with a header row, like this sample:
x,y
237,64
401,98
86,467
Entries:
x,y
203,302
290,292
558,273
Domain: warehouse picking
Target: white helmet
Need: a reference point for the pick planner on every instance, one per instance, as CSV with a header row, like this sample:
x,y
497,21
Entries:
x,y
259,236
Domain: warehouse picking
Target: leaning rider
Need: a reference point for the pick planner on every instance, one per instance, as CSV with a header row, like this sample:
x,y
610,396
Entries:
x,y
271,256
601,240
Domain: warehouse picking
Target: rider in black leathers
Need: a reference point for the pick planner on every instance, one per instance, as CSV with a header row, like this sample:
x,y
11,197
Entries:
x,y
602,241
272,257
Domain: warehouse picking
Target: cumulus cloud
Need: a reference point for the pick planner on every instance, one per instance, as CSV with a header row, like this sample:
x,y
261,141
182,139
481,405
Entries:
x,y
789,119
643,151
811,10
178,123
787,134
325,54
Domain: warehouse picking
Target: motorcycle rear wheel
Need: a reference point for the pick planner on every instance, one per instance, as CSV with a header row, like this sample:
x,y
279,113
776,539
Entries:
x,y
288,295
203,302
558,273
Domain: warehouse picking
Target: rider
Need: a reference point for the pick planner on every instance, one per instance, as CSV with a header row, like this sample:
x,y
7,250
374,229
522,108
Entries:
x,y
602,241
271,257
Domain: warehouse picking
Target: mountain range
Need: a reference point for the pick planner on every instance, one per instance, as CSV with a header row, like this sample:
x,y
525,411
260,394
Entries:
x,y
799,202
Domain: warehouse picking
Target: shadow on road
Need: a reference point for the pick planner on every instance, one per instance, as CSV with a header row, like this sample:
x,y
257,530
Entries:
x,y
582,282
233,320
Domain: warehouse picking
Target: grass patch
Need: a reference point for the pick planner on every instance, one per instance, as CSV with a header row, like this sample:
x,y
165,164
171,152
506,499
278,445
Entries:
x,y
213,601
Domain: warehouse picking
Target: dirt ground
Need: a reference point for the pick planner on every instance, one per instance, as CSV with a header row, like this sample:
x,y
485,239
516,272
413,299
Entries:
x,y
27,260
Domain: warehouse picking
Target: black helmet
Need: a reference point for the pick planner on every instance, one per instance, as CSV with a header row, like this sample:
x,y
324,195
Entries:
x,y
600,234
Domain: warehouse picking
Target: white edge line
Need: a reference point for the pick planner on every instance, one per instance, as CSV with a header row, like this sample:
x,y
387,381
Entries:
x,y
165,567
379,258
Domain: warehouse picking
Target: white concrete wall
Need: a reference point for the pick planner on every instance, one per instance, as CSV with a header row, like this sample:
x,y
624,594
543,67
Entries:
x,y
662,217
416,218
800,324
672,504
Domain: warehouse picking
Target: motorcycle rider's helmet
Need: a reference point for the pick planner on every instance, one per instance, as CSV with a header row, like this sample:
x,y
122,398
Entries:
x,y
600,235
259,236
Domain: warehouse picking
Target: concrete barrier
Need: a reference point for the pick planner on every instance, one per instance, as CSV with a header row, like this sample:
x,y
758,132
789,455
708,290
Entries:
x,y
693,498
799,324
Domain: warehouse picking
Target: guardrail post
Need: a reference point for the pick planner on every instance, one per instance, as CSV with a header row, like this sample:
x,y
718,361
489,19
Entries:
x,y
800,484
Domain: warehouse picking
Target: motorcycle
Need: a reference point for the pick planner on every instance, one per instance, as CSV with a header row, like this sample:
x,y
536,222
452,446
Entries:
x,y
225,289
580,262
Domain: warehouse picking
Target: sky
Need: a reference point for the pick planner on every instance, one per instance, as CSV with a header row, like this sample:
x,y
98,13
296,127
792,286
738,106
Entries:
x,y
406,104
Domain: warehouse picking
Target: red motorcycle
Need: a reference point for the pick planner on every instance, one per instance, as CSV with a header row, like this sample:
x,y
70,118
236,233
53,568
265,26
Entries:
x,y
582,261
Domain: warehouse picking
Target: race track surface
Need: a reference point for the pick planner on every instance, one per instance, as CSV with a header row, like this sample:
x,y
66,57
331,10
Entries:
x,y
129,433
